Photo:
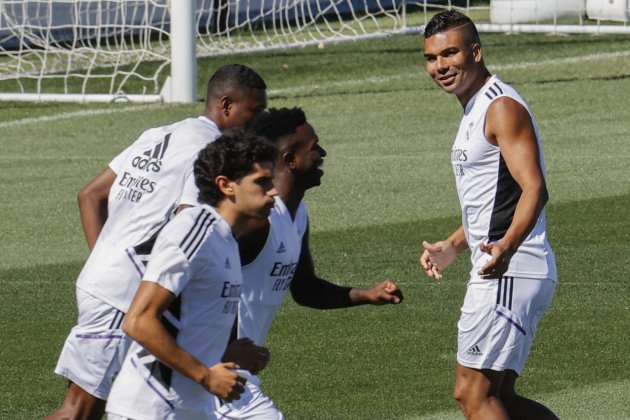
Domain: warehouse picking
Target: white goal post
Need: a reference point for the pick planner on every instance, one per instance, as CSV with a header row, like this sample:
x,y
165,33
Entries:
x,y
146,50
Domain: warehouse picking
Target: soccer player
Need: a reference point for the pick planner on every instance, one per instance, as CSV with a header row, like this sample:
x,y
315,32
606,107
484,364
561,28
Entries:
x,y
125,207
183,313
276,256
500,178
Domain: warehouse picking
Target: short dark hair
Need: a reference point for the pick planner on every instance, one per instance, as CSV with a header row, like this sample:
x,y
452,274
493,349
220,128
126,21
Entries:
x,y
276,124
231,78
450,19
232,155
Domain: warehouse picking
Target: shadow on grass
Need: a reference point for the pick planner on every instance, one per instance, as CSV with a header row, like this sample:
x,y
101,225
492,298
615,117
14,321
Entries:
x,y
582,340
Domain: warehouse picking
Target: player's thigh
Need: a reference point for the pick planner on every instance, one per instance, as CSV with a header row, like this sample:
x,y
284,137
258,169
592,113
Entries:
x,y
476,384
498,321
528,299
253,403
95,348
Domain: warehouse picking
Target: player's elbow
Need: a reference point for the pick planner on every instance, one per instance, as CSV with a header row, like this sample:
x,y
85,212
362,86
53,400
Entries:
x,y
89,197
83,197
132,326
298,297
302,297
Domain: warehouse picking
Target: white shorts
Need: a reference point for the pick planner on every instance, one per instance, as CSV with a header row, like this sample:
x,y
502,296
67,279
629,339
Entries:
x,y
253,404
95,348
498,321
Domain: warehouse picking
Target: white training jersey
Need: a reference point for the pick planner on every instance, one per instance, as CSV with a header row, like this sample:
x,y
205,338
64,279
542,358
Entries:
x,y
151,174
266,280
196,257
488,194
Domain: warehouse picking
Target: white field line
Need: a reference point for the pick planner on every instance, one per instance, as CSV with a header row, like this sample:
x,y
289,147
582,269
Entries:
x,y
68,115
420,73
313,87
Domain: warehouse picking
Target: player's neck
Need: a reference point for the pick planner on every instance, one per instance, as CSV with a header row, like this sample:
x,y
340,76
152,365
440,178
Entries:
x,y
288,190
474,88
236,220
292,200
291,197
215,116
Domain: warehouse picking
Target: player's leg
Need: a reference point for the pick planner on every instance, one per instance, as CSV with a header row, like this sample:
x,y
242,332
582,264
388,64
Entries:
x,y
534,297
476,392
79,404
519,407
484,342
90,358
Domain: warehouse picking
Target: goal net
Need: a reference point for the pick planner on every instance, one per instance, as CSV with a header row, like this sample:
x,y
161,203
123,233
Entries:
x,y
145,50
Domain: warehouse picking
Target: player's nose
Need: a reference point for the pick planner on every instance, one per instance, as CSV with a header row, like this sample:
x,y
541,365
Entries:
x,y
321,151
272,192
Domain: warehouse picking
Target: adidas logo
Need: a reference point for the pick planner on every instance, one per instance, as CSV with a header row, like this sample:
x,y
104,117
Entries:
x,y
227,264
151,160
281,249
474,351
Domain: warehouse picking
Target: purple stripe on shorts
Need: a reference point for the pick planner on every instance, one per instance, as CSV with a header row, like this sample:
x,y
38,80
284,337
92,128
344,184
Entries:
x,y
98,336
138,269
511,321
157,391
224,415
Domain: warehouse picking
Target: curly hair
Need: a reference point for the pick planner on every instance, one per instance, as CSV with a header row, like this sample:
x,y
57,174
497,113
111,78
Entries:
x,y
450,19
276,124
232,155
230,79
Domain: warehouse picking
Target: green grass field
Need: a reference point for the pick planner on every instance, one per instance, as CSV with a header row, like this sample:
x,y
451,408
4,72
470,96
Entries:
x,y
388,185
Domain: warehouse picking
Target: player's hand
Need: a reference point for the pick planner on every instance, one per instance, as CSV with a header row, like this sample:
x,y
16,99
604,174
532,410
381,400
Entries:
x,y
383,293
223,382
498,265
247,355
436,257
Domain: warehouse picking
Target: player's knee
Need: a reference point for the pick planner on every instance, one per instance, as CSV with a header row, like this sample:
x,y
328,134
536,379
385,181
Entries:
x,y
460,395
468,398
79,404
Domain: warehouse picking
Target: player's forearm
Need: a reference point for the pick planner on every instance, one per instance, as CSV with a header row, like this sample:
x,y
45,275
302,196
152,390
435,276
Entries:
x,y
93,219
458,239
151,334
321,294
528,209
93,212
360,296
93,204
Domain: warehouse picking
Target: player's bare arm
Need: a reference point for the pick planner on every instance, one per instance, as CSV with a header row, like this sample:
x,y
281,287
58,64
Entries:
x,y
93,204
142,323
310,290
509,126
383,293
439,255
247,355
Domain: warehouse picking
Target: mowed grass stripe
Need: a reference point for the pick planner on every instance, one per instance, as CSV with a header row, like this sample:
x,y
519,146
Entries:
x,y
393,361
605,401
371,362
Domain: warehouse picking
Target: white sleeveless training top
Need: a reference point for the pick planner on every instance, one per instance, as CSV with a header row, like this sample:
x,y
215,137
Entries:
x,y
488,194
266,280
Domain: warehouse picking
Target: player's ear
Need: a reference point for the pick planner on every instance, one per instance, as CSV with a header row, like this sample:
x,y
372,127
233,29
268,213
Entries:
x,y
226,105
225,185
288,157
477,52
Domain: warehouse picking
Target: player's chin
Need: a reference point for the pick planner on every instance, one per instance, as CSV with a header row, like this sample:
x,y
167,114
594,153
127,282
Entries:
x,y
317,177
264,212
